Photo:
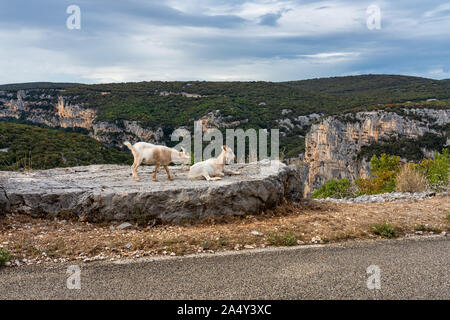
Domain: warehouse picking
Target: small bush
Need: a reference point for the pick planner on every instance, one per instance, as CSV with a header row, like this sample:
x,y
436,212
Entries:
x,y
383,172
410,179
437,170
334,189
5,256
384,230
384,163
286,239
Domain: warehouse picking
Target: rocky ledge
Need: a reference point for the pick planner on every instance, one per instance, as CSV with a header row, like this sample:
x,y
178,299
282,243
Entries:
x,y
393,196
108,192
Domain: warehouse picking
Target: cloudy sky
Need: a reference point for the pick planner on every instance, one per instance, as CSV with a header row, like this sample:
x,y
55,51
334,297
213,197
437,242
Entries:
x,y
273,40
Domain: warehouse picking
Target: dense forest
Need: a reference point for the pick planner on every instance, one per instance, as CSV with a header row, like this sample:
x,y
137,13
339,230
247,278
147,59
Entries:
x,y
255,104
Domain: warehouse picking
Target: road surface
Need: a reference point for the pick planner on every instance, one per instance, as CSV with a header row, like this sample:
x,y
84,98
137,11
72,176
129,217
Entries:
x,y
409,269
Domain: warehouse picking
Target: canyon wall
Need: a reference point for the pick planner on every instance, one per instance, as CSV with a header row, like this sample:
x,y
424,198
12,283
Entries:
x,y
332,146
65,115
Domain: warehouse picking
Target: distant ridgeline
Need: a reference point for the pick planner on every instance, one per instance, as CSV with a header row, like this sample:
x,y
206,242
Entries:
x,y
101,116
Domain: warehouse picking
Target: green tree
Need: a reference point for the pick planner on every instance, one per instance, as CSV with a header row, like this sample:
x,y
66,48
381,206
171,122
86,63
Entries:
x,y
334,189
437,170
384,170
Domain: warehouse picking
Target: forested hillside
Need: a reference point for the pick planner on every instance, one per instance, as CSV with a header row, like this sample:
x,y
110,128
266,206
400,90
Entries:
x,y
365,90
30,147
156,102
36,85
165,106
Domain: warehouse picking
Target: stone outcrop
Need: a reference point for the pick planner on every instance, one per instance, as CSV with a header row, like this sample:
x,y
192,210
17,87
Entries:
x,y
301,122
383,197
108,192
71,116
4,201
42,112
124,130
331,146
61,114
215,120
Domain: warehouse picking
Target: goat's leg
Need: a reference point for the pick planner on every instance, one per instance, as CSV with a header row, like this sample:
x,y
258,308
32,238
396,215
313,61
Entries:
x,y
134,168
156,171
168,173
207,177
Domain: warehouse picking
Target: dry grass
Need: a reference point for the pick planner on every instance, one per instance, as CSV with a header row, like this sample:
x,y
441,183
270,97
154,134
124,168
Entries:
x,y
50,241
410,180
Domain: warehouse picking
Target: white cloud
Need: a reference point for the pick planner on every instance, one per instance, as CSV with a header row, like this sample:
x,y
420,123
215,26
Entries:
x,y
310,39
439,72
330,55
443,8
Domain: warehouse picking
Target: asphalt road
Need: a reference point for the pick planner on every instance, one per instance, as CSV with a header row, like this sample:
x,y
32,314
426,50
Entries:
x,y
409,269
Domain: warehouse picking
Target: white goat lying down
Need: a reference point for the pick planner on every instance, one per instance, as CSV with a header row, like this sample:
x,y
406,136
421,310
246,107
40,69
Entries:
x,y
214,168
153,154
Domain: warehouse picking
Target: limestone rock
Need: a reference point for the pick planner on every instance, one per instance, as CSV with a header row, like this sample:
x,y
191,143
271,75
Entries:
x,y
4,202
331,146
108,192
124,225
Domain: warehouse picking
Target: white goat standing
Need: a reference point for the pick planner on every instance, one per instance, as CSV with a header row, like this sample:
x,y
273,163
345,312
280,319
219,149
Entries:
x,y
214,168
153,154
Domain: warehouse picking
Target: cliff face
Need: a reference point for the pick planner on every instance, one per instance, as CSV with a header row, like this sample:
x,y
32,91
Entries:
x,y
331,146
124,130
71,116
66,115
53,115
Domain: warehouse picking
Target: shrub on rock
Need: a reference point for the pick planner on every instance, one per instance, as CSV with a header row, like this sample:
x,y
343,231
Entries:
x,y
410,179
383,173
337,189
437,170
5,256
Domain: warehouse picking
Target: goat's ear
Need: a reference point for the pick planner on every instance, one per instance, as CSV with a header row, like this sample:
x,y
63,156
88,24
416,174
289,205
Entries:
x,y
224,147
183,150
